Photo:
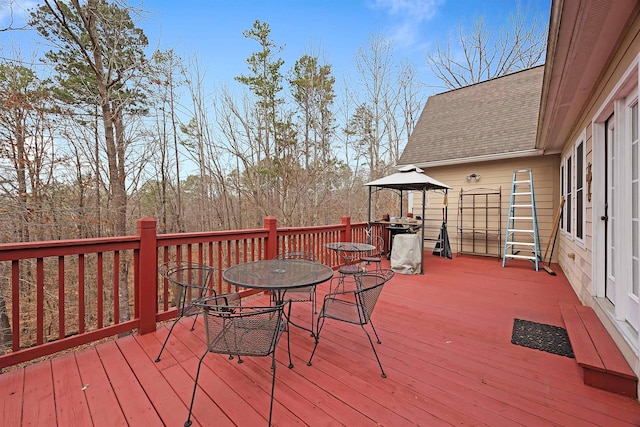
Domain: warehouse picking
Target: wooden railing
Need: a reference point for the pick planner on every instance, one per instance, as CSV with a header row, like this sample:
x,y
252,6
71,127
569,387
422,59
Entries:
x,y
56,295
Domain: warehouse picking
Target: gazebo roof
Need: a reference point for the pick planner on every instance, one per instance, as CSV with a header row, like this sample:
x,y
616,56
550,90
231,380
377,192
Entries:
x,y
409,177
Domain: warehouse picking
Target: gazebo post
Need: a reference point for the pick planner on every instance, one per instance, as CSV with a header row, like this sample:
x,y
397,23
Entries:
x,y
369,215
424,201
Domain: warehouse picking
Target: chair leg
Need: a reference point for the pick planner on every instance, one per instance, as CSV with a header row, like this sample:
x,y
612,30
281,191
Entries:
x,y
374,351
193,326
313,302
273,382
374,331
317,339
167,339
313,312
195,387
289,336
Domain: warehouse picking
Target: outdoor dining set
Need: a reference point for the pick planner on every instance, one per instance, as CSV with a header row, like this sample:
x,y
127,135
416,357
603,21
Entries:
x,y
241,329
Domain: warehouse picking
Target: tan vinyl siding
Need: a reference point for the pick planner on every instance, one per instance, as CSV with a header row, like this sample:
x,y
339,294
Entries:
x,y
577,261
494,175
579,270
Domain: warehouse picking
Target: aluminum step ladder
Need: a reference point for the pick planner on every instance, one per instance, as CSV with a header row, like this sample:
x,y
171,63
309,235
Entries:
x,y
522,240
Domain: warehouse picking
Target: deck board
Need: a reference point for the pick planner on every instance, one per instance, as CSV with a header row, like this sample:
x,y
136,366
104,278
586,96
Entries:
x,y
445,348
12,398
103,405
38,403
166,401
133,400
70,400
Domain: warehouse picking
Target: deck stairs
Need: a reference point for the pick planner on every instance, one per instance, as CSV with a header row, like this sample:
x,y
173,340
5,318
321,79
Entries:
x,y
601,362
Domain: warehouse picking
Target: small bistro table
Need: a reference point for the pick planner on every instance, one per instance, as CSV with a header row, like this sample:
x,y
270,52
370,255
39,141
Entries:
x,y
349,252
349,246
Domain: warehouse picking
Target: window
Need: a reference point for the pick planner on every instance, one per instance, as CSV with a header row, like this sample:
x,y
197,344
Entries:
x,y
566,190
579,192
572,183
635,202
562,194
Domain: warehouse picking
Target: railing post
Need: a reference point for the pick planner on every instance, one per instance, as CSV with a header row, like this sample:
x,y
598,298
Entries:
x,y
346,236
147,275
271,224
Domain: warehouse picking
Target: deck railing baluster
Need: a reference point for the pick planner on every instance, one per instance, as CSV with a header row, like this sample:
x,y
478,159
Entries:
x,y
61,313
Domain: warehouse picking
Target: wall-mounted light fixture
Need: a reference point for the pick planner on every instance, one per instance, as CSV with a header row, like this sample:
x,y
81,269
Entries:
x,y
589,178
473,176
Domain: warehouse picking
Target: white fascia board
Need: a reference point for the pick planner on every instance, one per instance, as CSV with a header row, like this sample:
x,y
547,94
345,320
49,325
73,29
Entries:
x,y
486,158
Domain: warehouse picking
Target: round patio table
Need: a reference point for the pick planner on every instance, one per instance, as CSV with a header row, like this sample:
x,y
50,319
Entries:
x,y
278,275
350,254
349,246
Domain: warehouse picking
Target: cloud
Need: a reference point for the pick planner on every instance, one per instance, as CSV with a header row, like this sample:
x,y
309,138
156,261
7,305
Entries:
x,y
407,17
410,10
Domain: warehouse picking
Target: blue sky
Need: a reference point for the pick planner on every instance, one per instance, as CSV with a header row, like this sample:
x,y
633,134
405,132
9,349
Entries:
x,y
332,29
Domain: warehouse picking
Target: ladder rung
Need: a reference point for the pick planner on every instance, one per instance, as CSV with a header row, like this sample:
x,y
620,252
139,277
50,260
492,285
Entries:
x,y
520,256
518,195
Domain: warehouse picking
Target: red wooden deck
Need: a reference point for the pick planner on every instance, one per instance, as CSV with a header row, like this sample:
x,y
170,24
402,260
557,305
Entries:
x,y
445,348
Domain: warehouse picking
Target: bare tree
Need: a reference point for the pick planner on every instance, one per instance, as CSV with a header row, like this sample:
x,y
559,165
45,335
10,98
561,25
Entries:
x,y
482,54
100,55
8,8
25,143
265,82
165,78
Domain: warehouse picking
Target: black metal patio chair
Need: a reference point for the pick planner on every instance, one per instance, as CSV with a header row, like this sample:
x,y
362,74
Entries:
x,y
242,331
350,265
306,293
374,256
353,306
192,283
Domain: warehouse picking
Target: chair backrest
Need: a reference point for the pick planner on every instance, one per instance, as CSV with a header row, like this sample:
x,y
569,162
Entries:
x,y
192,282
301,254
348,254
243,330
368,294
378,242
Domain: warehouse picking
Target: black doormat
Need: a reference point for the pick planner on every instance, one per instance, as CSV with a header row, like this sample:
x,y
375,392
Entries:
x,y
549,338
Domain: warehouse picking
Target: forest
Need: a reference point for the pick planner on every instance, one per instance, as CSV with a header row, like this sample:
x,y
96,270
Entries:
x,y
102,131
113,131
116,133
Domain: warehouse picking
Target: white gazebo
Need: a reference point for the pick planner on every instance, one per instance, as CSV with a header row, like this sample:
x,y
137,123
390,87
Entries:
x,y
408,178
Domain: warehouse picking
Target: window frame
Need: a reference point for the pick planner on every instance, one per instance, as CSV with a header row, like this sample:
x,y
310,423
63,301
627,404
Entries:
x,y
567,190
579,193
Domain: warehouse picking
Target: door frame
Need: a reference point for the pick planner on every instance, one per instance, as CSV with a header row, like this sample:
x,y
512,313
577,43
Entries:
x,y
616,102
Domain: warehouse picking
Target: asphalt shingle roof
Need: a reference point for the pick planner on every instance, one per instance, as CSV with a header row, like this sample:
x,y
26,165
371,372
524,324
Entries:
x,y
488,118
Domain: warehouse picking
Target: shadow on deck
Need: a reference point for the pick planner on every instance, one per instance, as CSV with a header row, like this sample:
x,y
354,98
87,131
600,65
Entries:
x,y
446,348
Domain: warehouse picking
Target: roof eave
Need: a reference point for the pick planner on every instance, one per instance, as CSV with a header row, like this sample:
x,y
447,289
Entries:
x,y
583,36
485,158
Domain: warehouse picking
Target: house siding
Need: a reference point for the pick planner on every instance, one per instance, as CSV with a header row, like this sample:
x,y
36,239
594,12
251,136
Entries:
x,y
493,175
577,260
